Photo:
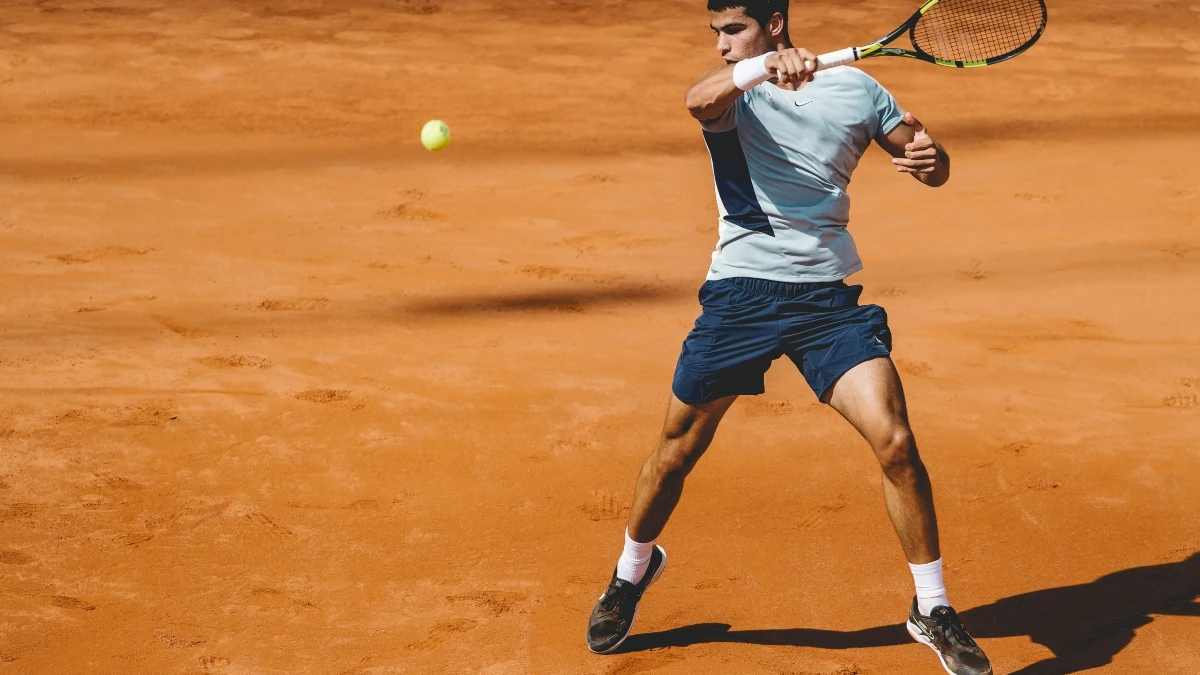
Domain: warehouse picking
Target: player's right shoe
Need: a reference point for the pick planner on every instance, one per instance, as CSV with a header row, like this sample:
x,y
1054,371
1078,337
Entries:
x,y
943,632
613,616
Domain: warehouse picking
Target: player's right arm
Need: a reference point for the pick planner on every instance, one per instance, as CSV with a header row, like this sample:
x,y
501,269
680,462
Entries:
x,y
713,93
716,90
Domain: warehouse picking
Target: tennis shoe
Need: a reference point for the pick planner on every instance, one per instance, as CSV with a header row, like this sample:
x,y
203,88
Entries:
x,y
943,632
612,618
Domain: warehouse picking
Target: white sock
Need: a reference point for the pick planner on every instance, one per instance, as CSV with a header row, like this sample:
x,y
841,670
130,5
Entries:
x,y
634,560
931,589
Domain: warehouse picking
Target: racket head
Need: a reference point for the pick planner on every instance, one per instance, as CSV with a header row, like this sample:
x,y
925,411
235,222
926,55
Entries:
x,y
974,33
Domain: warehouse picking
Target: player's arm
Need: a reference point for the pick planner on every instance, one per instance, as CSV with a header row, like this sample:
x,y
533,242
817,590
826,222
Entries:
x,y
713,93
720,87
915,152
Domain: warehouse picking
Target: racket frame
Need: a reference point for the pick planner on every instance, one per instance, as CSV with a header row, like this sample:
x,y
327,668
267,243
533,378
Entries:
x,y
878,48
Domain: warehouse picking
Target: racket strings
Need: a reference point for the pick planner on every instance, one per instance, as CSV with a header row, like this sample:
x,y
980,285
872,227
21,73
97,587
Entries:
x,y
975,30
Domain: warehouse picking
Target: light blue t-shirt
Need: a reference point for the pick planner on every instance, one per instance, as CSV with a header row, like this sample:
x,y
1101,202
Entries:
x,y
781,162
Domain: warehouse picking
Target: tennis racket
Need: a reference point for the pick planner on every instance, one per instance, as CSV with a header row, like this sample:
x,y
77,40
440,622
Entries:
x,y
957,34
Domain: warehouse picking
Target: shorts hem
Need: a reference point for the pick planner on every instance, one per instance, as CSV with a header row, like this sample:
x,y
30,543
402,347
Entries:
x,y
839,368
690,400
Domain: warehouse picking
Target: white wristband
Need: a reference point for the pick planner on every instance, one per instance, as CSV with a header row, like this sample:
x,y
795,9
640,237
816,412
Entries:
x,y
750,73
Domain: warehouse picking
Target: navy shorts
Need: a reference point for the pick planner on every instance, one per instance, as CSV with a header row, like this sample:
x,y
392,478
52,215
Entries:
x,y
748,323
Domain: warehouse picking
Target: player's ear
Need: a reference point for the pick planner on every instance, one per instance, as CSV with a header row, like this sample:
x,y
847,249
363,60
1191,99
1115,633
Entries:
x,y
776,27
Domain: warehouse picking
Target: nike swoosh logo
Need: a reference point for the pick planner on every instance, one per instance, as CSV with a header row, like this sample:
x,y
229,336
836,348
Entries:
x,y
800,103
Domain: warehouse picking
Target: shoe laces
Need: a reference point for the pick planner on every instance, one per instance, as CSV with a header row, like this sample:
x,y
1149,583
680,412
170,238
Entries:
x,y
947,619
614,595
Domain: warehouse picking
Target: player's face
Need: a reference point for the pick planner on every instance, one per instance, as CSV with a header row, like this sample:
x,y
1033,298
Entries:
x,y
739,36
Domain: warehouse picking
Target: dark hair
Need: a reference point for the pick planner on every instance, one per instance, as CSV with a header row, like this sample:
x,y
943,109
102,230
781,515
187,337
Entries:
x,y
759,10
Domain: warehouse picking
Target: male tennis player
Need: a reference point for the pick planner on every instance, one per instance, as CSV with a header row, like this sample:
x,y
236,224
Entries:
x,y
784,141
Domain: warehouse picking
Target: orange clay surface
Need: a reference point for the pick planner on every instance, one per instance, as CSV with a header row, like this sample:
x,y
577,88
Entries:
x,y
282,392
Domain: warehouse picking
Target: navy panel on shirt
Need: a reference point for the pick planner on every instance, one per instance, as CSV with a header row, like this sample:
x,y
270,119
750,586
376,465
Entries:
x,y
733,182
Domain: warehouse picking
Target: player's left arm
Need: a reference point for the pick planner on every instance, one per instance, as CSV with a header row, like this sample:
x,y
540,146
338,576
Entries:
x,y
915,152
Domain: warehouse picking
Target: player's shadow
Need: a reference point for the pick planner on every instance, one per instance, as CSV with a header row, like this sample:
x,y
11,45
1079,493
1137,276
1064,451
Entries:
x,y
570,300
1085,625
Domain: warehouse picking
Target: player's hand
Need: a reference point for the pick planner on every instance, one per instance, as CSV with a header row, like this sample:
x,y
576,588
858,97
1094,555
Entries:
x,y
792,65
922,155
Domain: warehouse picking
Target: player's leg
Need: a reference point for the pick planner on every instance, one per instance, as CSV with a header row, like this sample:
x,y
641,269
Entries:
x,y
843,349
724,356
686,434
871,398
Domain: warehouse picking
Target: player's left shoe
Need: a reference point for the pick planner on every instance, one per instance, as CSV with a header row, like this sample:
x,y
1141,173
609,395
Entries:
x,y
613,616
943,632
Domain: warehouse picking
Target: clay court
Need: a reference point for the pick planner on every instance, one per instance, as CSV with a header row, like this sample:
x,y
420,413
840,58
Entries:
x,y
282,392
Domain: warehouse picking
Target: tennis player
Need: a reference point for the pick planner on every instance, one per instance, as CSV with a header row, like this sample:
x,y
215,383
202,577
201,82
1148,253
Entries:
x,y
784,141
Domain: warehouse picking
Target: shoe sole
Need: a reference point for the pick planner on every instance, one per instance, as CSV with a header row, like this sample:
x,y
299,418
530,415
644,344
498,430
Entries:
x,y
915,633
632,621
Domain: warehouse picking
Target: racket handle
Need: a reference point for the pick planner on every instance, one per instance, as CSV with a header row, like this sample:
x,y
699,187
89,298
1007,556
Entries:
x,y
839,58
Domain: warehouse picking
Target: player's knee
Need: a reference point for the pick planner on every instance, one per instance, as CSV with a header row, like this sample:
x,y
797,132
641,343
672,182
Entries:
x,y
678,428
674,458
897,452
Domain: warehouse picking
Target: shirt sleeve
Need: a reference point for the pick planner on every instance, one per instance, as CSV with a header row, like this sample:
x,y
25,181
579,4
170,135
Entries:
x,y
887,110
726,122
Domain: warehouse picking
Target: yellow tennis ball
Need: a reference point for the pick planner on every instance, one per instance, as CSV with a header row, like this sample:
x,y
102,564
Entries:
x,y
435,135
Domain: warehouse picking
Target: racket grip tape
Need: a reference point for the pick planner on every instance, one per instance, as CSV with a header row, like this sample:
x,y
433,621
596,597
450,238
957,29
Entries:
x,y
839,58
